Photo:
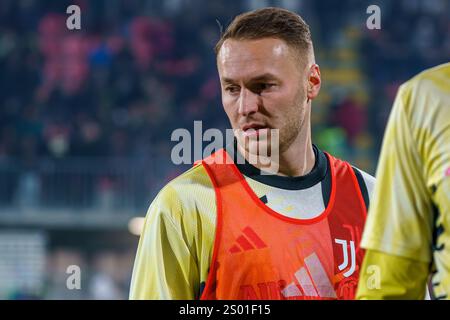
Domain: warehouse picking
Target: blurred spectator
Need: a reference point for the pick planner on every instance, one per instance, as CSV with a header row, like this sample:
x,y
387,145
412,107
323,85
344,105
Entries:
x,y
104,282
351,117
58,263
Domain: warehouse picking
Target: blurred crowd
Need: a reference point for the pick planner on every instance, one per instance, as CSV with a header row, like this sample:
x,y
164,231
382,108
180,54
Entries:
x,y
112,89
103,275
69,264
139,69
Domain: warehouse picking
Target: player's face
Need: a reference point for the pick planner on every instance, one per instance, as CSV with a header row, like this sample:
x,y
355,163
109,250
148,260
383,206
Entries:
x,y
263,87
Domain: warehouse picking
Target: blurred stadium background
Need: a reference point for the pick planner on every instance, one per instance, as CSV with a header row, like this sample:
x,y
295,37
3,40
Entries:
x,y
86,116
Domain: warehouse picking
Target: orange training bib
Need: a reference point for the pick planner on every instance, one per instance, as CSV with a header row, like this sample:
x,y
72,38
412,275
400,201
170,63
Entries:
x,y
261,254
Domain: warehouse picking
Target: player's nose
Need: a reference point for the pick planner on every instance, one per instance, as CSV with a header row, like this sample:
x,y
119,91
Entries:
x,y
248,102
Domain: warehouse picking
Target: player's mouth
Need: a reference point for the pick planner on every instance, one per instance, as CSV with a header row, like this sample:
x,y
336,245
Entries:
x,y
255,130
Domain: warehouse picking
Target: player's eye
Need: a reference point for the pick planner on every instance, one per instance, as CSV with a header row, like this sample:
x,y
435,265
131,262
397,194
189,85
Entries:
x,y
232,89
263,86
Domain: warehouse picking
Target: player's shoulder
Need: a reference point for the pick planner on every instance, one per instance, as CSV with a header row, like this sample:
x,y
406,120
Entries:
x,y
423,99
365,180
183,192
437,73
196,176
187,183
436,78
368,180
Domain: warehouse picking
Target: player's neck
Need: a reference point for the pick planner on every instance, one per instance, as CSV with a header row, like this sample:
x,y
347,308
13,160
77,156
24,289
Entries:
x,y
298,160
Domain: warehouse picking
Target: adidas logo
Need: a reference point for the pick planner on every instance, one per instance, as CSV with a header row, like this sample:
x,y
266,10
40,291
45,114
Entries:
x,y
312,281
248,240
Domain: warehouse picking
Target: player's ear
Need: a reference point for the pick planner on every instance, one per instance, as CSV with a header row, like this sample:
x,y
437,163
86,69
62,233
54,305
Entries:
x,y
314,81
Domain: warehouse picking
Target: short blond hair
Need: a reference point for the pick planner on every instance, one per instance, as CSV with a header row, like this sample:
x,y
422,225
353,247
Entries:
x,y
270,23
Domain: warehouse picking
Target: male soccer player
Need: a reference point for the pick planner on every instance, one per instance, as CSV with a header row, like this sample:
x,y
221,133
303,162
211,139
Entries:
x,y
408,229
226,230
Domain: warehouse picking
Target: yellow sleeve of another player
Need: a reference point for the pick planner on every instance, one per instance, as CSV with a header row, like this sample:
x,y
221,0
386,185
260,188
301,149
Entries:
x,y
164,267
398,231
399,221
376,283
